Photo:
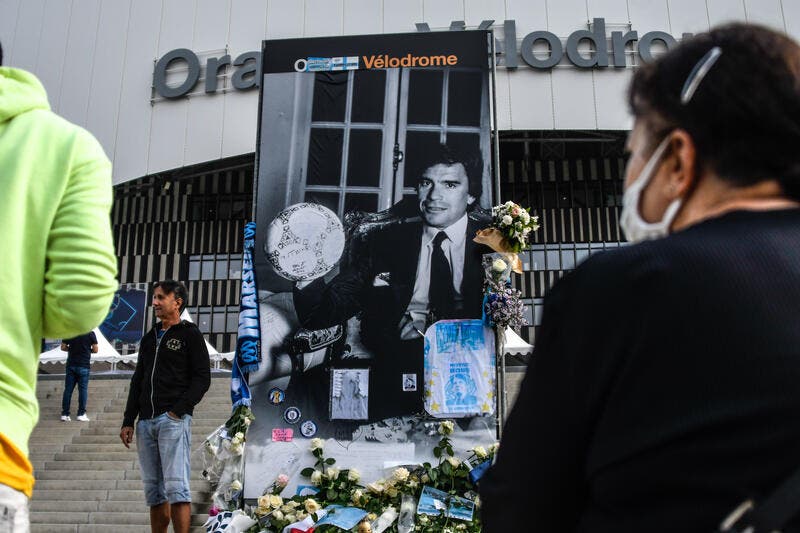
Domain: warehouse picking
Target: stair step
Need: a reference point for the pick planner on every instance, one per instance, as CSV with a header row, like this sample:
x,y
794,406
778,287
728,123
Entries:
x,y
66,484
138,495
77,475
69,517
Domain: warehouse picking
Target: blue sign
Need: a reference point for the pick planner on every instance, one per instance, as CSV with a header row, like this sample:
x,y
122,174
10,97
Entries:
x,y
125,320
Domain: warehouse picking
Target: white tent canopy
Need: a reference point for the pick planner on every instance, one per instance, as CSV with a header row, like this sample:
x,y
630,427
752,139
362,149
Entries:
x,y
105,353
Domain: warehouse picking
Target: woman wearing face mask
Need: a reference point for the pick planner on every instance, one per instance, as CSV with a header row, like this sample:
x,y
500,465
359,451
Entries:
x,y
664,389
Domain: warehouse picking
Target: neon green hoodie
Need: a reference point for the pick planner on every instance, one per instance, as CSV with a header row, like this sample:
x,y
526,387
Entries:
x,y
57,262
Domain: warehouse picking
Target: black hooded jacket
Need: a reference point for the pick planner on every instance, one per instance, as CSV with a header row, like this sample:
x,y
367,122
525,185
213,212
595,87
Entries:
x,y
172,374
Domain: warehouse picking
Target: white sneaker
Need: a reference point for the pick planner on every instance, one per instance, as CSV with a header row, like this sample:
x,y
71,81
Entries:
x,y
66,418
83,418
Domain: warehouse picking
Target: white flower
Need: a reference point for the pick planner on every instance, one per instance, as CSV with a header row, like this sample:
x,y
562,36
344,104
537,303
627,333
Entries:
x,y
239,435
275,501
263,501
392,492
493,447
480,452
301,515
509,204
311,506
316,477
423,519
235,441
400,474
277,515
525,216
290,517
376,487
333,472
506,220
498,265
247,421
353,475
356,496
454,462
317,444
446,427
237,448
236,485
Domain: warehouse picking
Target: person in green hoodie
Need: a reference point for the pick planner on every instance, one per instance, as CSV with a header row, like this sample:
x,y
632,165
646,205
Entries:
x,y
57,269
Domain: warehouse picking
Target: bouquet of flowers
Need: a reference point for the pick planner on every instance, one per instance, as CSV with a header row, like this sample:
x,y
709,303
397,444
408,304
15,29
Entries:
x,y
509,232
502,306
515,224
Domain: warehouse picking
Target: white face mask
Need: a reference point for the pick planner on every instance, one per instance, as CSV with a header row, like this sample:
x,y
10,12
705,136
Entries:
x,y
635,227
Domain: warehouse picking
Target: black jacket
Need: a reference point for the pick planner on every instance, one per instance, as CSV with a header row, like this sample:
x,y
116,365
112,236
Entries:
x,y
663,389
393,252
174,378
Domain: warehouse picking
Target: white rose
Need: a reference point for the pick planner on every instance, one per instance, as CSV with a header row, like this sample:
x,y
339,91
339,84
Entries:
x,y
493,447
236,485
316,477
237,449
239,435
277,515
235,441
353,475
498,265
263,502
392,492
400,474
247,421
333,472
446,427
525,217
453,462
311,506
317,444
480,452
275,501
356,496
506,220
290,517
376,487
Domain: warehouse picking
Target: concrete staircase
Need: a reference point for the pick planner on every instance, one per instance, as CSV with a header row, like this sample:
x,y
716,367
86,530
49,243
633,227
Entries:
x,y
86,480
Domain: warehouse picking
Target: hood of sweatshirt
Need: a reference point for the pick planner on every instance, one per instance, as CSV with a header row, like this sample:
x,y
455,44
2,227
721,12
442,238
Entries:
x,y
20,92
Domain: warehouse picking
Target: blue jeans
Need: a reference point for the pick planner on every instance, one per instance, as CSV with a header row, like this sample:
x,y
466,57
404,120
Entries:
x,y
164,445
75,375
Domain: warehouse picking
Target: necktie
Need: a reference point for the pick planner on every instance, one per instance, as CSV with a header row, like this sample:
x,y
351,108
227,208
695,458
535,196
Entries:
x,y
441,295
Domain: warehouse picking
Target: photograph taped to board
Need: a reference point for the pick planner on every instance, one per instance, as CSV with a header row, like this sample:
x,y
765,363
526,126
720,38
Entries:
x,y
349,394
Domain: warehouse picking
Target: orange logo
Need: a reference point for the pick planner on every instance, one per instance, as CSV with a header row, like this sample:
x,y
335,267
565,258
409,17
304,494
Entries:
x,y
408,60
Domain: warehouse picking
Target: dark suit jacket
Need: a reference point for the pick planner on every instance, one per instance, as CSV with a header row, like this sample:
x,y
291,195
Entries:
x,y
392,252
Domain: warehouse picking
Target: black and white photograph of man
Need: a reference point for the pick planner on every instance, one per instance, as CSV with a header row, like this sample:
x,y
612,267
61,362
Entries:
x,y
402,158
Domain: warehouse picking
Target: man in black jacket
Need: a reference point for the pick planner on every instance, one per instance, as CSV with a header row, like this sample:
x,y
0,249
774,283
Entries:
x,y
408,276
171,377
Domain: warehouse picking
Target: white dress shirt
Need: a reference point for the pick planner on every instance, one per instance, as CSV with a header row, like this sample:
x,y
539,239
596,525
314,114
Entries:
x,y
453,248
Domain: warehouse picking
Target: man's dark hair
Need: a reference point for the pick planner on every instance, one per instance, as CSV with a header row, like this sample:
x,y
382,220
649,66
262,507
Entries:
x,y
744,117
452,154
170,286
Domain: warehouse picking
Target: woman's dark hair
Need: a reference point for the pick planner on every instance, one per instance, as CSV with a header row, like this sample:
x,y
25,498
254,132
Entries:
x,y
744,117
170,286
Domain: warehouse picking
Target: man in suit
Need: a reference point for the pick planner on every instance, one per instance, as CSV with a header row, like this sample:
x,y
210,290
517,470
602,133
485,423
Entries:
x,y
407,276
